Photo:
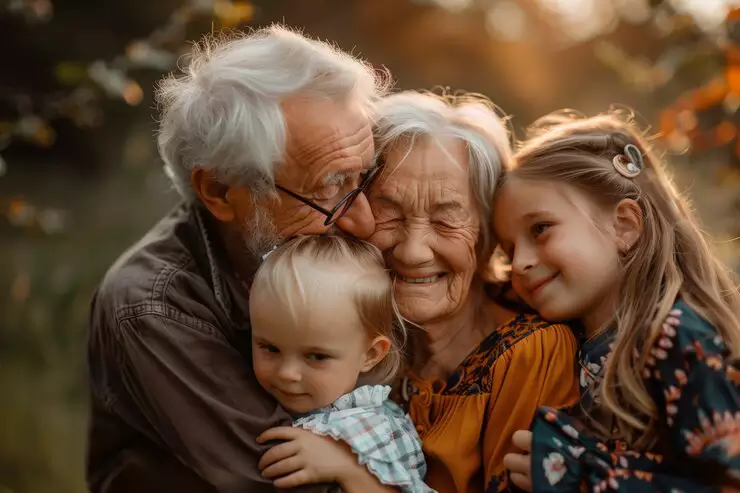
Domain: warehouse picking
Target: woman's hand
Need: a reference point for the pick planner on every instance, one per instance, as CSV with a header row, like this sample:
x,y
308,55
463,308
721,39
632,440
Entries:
x,y
520,464
304,458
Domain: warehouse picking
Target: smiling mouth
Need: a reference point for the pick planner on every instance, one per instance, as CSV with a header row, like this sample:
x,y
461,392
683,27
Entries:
x,y
421,280
538,287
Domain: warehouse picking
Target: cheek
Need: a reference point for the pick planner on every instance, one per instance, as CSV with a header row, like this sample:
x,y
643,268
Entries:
x,y
385,236
458,249
263,366
516,283
291,220
329,376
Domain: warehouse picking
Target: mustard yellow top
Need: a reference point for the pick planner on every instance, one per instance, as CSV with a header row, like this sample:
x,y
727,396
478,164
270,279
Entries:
x,y
466,423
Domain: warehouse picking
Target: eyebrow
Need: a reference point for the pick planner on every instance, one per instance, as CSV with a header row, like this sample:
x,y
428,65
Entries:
x,y
389,199
316,349
339,177
536,214
449,205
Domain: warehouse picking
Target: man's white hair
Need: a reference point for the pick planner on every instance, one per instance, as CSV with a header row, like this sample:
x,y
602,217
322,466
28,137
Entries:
x,y
223,112
403,117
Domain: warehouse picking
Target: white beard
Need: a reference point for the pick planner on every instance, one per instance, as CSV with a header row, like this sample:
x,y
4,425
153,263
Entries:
x,y
260,233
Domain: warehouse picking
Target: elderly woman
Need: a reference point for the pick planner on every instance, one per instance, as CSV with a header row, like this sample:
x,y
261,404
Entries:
x,y
477,371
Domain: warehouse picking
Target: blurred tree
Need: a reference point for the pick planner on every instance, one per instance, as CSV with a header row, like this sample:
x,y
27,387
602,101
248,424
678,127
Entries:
x,y
75,189
69,91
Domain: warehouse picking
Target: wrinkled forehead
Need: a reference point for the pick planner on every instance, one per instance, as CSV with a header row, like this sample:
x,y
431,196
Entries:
x,y
439,163
319,123
326,139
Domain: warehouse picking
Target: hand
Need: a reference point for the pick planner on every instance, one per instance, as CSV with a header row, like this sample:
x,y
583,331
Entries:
x,y
303,458
521,464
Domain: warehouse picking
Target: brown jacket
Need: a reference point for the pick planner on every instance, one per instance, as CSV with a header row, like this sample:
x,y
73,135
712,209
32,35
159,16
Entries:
x,y
175,404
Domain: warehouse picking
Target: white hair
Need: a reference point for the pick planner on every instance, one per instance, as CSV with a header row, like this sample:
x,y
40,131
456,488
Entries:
x,y
223,112
471,118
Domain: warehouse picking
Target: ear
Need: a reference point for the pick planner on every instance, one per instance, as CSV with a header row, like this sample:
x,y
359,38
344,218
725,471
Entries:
x,y
214,195
628,224
378,350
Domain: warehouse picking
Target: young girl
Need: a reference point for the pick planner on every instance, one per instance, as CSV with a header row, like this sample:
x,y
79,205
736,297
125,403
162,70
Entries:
x,y
323,318
597,234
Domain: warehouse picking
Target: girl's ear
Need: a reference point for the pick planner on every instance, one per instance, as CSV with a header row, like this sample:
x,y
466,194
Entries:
x,y
378,350
628,224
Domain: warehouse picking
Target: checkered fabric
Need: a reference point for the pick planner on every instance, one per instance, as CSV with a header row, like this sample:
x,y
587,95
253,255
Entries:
x,y
378,431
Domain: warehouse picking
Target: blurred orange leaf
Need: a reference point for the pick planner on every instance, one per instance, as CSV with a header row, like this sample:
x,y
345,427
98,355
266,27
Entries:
x,y
132,93
20,213
231,14
44,135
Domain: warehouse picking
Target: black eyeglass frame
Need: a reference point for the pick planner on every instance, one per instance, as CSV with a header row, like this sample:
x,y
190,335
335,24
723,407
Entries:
x,y
342,206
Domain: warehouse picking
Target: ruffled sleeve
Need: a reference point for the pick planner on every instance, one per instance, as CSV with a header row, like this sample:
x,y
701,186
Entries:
x,y
378,432
538,370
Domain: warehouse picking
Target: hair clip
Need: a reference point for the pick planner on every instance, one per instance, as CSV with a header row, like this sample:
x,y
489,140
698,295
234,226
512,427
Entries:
x,y
630,163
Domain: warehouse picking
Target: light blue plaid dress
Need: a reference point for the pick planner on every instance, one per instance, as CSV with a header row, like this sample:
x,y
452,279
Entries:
x,y
378,432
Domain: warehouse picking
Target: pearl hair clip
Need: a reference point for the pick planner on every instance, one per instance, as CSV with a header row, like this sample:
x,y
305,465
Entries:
x,y
630,163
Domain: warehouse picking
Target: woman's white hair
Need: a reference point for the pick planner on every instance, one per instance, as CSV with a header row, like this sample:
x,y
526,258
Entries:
x,y
471,118
223,112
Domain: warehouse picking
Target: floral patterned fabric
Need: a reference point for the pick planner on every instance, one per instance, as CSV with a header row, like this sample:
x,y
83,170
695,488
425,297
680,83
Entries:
x,y
697,391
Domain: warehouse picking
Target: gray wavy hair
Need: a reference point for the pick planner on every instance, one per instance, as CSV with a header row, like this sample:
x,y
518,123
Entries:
x,y
223,113
406,116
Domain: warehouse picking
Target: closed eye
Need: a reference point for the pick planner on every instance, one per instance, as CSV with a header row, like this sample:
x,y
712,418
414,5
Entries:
x,y
444,224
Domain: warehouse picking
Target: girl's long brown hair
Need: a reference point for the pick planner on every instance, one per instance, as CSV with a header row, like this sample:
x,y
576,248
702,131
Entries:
x,y
671,260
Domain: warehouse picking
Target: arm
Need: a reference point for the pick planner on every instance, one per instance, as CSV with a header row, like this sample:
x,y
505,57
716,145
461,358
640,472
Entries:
x,y
539,370
358,479
305,458
191,392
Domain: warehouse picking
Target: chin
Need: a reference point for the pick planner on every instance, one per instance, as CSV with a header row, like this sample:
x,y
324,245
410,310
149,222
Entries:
x,y
556,314
420,312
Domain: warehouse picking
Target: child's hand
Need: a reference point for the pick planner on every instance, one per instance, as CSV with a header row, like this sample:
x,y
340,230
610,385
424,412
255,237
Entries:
x,y
521,464
304,458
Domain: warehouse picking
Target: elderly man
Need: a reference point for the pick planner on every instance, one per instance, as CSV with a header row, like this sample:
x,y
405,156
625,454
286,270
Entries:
x,y
265,136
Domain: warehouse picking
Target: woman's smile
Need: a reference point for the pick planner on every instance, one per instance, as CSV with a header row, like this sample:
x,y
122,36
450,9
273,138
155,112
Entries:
x,y
419,279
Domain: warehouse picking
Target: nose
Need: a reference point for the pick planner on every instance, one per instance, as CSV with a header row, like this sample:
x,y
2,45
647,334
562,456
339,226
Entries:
x,y
524,259
289,371
414,248
358,221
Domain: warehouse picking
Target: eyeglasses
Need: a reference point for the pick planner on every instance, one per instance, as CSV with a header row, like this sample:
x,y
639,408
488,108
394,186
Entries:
x,y
343,206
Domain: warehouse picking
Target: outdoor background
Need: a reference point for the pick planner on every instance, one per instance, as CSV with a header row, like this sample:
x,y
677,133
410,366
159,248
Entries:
x,y
80,179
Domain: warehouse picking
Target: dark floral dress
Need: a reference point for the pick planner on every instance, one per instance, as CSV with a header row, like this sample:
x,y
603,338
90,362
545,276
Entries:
x,y
696,389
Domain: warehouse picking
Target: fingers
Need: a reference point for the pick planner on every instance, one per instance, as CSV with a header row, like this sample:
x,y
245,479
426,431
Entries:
x,y
298,478
518,463
521,481
277,453
283,467
522,439
279,433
